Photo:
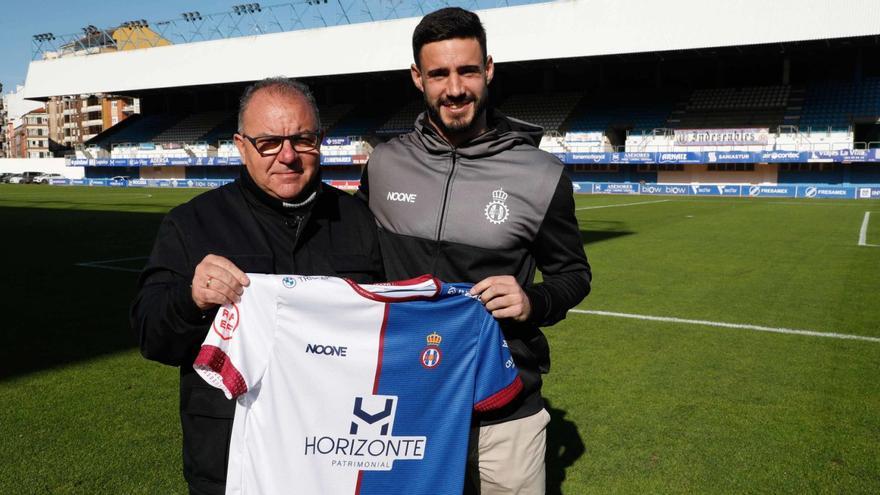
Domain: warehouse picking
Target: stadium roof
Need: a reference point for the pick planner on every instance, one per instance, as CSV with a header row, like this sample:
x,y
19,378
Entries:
x,y
555,30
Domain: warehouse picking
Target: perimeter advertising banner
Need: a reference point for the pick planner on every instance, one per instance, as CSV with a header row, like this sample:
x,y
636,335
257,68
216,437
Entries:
x,y
666,189
587,157
203,161
732,157
715,190
571,158
336,141
826,192
838,156
721,137
615,188
809,191
633,157
822,191
868,192
782,156
169,183
681,157
778,191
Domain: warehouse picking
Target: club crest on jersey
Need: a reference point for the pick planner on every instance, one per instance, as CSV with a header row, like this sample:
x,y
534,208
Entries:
x,y
226,321
288,282
496,211
431,354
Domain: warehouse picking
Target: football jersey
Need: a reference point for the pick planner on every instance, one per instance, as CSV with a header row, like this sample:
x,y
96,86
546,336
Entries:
x,y
348,389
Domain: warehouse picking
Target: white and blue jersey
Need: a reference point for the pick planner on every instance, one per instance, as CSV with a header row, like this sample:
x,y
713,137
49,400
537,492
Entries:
x,y
348,389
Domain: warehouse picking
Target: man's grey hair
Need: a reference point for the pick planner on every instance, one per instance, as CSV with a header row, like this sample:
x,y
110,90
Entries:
x,y
281,85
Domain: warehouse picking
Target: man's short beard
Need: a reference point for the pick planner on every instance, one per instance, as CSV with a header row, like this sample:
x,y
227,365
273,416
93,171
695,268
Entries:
x,y
458,127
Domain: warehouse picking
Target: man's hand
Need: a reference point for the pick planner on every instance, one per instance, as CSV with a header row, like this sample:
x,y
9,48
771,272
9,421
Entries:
x,y
503,297
217,281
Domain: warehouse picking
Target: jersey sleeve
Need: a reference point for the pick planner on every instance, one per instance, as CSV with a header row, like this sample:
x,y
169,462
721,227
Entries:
x,y
236,351
497,380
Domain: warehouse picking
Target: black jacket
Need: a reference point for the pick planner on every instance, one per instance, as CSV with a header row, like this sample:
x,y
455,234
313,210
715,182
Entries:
x,y
496,205
333,235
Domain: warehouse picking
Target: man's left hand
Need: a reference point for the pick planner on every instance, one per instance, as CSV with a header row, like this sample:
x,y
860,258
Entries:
x,y
503,297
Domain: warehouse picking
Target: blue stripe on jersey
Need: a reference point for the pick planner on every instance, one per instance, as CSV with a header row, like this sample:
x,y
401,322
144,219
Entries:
x,y
448,390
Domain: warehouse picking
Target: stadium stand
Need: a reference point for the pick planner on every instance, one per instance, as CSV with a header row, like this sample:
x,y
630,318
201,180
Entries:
x,y
548,110
633,111
331,114
363,120
131,131
794,111
223,131
762,106
402,120
191,129
838,104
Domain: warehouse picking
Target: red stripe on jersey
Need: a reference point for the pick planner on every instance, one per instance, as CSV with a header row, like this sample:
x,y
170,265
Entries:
x,y
500,398
357,488
381,348
214,359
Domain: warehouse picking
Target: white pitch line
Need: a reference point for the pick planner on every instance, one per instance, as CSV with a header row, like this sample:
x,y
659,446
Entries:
x,y
757,328
102,264
113,268
623,204
863,232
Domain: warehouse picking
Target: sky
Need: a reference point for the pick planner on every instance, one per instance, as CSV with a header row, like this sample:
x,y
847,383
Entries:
x,y
20,20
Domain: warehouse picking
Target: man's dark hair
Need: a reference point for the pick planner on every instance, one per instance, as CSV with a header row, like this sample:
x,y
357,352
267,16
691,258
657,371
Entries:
x,y
445,24
280,85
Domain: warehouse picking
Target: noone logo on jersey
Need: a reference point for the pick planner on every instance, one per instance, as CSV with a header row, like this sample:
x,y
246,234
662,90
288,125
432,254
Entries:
x,y
370,444
402,197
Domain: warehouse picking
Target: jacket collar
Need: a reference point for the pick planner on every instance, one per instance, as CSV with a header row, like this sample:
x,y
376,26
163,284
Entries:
x,y
504,133
297,206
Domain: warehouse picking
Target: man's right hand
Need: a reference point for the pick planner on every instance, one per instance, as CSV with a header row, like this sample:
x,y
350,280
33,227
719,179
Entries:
x,y
217,281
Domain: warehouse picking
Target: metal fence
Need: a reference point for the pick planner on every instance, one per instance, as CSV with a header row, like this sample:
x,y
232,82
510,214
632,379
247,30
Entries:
x,y
248,19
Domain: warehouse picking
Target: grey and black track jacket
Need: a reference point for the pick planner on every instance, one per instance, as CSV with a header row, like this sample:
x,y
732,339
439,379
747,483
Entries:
x,y
495,206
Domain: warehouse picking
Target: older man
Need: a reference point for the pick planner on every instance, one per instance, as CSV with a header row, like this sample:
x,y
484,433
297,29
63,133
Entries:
x,y
276,218
484,205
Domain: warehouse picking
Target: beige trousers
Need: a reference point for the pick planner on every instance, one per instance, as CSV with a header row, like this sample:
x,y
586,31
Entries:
x,y
512,456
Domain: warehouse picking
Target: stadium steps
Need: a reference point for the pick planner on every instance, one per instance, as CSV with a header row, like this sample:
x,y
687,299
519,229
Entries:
x,y
222,131
839,104
136,130
404,119
624,110
362,120
546,110
190,128
754,106
332,114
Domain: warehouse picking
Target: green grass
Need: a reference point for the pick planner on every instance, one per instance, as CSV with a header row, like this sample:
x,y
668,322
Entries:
x,y
638,406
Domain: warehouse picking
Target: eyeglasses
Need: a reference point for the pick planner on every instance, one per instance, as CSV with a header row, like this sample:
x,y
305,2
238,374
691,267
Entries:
x,y
271,145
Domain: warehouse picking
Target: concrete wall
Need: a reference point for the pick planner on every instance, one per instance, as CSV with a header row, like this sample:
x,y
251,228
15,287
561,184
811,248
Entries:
x,y
763,174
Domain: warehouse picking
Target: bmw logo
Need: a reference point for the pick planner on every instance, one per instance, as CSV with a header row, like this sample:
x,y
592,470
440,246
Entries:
x,y
289,282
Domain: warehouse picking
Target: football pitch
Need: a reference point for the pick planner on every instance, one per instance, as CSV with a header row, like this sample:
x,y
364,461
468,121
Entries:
x,y
730,345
